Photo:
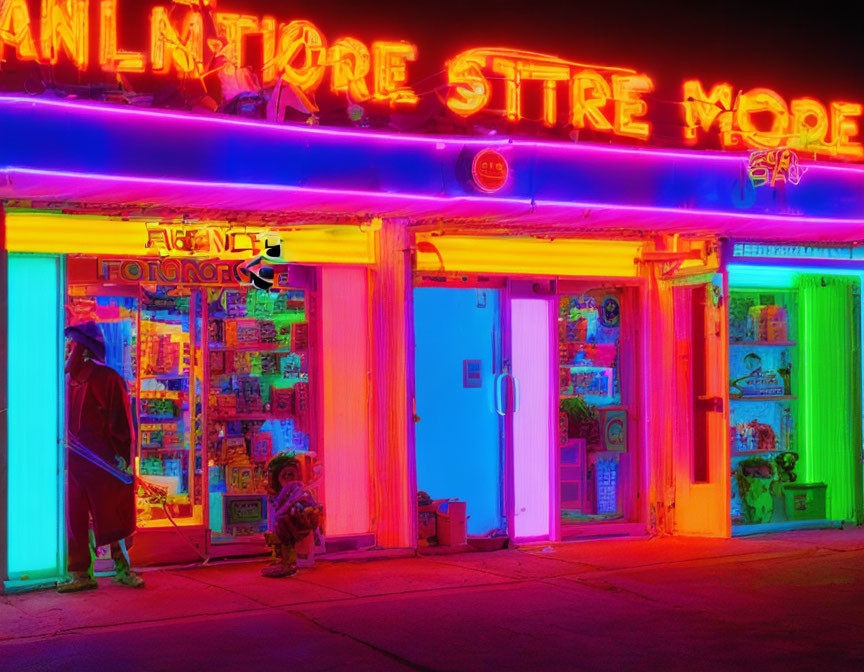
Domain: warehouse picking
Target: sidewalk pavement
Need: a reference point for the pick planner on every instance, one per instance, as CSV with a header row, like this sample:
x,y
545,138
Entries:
x,y
792,601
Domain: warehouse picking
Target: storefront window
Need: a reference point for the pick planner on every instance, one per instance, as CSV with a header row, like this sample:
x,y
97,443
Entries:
x,y
218,379
792,364
259,401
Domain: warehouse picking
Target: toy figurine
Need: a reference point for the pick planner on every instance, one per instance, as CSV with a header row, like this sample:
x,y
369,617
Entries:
x,y
296,514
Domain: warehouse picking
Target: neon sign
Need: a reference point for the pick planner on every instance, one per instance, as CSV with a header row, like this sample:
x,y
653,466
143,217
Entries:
x,y
601,98
774,165
805,124
190,37
489,170
295,52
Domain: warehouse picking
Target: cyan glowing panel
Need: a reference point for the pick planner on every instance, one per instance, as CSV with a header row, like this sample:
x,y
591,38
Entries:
x,y
458,436
532,434
778,277
36,470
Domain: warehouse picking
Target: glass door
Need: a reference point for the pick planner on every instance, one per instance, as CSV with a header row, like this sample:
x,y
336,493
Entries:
x,y
461,405
169,457
594,461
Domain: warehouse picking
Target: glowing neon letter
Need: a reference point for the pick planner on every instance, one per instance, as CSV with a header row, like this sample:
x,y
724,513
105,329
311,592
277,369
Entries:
x,y
301,57
391,72
809,125
590,91
110,59
16,30
626,90
754,102
845,128
702,109
469,88
234,27
65,26
350,63
512,94
268,50
549,74
185,50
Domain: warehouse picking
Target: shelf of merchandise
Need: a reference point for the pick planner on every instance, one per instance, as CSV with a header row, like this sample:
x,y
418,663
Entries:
x,y
585,366
263,347
777,397
239,417
754,453
761,344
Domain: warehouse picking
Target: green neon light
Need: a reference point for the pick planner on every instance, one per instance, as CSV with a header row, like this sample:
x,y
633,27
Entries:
x,y
36,529
828,451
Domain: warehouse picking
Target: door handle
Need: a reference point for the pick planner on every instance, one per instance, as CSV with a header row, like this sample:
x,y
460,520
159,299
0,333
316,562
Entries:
x,y
499,409
502,407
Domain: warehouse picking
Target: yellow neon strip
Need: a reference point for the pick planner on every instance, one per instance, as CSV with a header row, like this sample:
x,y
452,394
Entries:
x,y
530,256
55,233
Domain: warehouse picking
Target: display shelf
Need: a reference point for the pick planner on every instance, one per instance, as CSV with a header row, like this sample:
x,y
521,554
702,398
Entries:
x,y
585,366
245,416
760,344
251,348
779,397
752,453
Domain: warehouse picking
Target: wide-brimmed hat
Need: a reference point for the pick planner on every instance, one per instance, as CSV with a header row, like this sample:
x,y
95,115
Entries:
x,y
90,336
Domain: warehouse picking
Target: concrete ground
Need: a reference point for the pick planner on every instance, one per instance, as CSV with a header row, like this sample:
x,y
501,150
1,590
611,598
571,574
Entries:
x,y
792,601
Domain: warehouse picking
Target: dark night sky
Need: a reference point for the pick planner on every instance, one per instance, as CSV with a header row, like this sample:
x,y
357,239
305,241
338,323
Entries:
x,y
815,48
812,48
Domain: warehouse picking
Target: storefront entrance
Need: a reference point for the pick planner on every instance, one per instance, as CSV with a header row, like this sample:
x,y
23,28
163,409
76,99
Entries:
x,y
795,398
597,465
461,400
525,401
219,381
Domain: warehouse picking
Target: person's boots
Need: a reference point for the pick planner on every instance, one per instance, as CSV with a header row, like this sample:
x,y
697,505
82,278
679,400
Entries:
x,y
278,567
125,576
80,581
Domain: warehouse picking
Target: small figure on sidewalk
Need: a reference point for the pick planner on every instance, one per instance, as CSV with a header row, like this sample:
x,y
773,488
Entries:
x,y
100,485
296,514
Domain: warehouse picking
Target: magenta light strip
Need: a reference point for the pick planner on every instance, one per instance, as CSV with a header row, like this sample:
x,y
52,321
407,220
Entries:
x,y
699,155
277,188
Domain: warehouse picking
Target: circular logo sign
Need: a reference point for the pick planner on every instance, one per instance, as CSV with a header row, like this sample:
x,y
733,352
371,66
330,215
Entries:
x,y
489,170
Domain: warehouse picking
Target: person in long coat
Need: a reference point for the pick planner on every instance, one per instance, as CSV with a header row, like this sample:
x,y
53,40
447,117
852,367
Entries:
x,y
99,418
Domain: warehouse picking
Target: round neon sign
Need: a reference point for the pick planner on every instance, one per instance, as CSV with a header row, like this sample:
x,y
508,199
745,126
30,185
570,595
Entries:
x,y
489,170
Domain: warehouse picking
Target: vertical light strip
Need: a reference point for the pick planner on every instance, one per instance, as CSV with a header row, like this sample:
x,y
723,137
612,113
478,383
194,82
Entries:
x,y
36,469
828,454
530,319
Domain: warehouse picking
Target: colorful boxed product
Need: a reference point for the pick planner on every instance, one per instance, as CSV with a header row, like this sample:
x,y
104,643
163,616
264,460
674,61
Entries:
x,y
267,331
282,402
299,336
242,363
271,364
235,304
262,446
249,397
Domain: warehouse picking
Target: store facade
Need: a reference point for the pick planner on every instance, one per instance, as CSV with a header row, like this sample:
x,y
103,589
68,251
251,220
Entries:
x,y
558,352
